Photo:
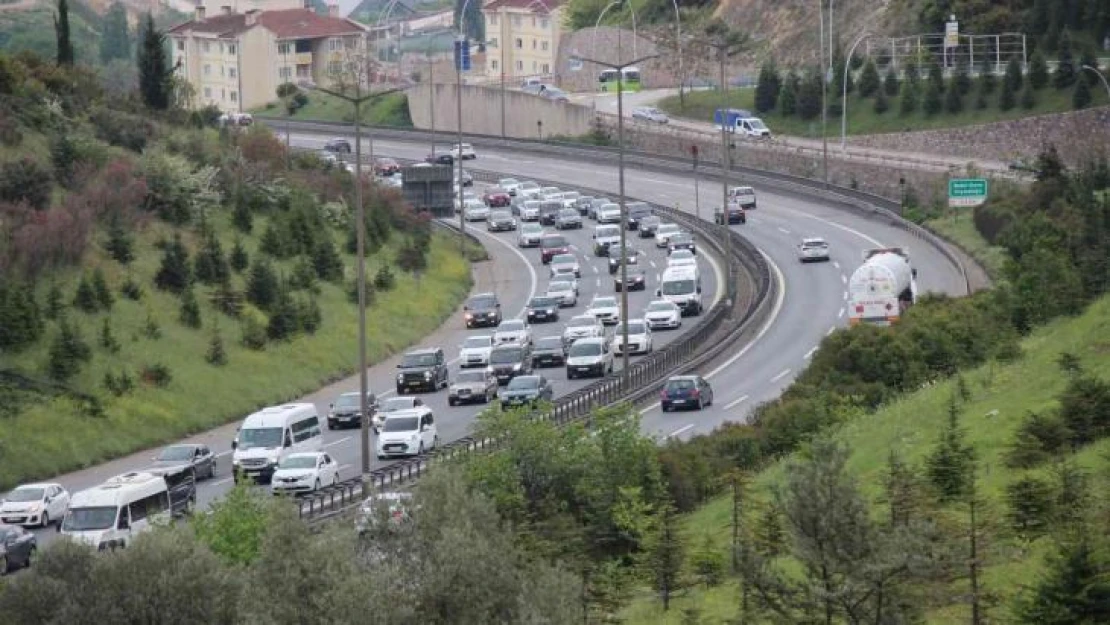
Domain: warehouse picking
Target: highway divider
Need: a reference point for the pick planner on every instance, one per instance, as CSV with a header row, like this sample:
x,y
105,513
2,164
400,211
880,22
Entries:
x,y
721,327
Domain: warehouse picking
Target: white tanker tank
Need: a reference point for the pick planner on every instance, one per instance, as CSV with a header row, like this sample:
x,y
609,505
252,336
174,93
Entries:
x,y
881,290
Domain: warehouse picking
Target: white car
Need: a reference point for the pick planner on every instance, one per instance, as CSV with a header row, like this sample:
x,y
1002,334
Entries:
x,y
474,352
813,248
528,189
409,433
682,258
609,214
475,210
530,235
589,357
564,265
639,338
546,193
663,314
582,327
513,331
663,234
395,405
606,309
467,151
570,199
650,114
34,504
604,237
510,185
565,291
530,210
304,473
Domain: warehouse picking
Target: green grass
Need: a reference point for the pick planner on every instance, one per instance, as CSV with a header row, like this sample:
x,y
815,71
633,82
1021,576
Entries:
x,y
389,110
910,427
51,435
862,119
960,229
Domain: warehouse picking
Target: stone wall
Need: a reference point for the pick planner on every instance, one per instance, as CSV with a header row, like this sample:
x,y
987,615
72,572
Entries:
x,y
1076,135
482,108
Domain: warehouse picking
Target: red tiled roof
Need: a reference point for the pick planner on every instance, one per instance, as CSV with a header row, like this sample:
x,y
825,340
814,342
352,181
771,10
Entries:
x,y
539,6
306,23
223,25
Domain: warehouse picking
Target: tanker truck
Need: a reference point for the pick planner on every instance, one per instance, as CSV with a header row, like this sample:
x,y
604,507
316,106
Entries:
x,y
882,288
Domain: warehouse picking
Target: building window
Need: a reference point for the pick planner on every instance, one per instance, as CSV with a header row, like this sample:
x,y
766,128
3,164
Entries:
x,y
533,66
285,73
516,21
334,68
207,46
543,46
284,48
223,94
208,92
519,43
234,96
533,44
222,71
335,44
492,43
492,20
221,48
493,64
546,68
231,72
231,48
545,23
533,21
520,66
180,45
207,70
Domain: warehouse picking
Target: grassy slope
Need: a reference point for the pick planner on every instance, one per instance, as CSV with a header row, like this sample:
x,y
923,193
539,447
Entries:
x,y
48,437
960,229
390,110
862,119
910,427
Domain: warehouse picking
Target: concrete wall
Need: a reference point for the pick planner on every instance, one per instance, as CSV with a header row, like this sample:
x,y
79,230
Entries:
x,y
482,112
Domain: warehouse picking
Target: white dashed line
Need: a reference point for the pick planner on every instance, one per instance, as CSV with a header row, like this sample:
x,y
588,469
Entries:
x,y
831,330
574,247
342,440
782,374
736,402
843,279
223,453
809,354
597,283
594,267
784,230
845,295
222,482
840,314
652,263
680,430
836,264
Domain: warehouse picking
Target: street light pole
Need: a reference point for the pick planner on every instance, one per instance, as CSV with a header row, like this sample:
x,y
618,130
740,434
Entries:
x,y
725,48
1101,77
844,93
824,91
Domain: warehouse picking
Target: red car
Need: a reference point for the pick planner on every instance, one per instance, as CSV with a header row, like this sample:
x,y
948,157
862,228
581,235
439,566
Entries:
x,y
496,198
551,246
386,167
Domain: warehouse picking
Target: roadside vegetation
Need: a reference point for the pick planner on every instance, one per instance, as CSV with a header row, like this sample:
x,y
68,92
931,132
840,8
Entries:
x,y
160,276
389,110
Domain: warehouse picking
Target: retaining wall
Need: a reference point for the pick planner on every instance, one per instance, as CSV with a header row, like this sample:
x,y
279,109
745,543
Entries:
x,y
482,107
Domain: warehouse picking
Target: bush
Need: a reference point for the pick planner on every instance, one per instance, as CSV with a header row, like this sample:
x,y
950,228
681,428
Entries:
x,y
767,88
352,293
27,181
882,105
1081,97
152,329
157,374
1085,409
953,103
118,385
1037,440
216,354
190,309
890,83
122,129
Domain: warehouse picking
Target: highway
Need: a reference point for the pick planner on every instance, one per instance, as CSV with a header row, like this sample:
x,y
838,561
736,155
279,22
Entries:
x,y
811,304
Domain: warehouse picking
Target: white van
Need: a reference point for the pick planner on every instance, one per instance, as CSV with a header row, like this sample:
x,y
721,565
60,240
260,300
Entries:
x,y
682,286
269,435
109,516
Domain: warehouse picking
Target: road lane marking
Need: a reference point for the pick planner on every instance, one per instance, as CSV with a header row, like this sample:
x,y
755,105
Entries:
x,y
594,267
736,402
781,374
845,295
784,230
831,330
810,352
681,430
840,314
843,279
342,440
222,482
223,453
836,264
652,263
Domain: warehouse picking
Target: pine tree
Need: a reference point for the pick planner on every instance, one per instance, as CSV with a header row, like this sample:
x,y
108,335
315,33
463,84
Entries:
x,y
1075,588
891,83
54,304
1029,502
809,96
769,534
708,563
284,318
882,105
115,41
274,242
21,321
1090,60
154,76
326,260
987,79
907,103
869,82
901,492
961,80
951,464
664,555
216,354
190,309
788,95
120,245
1065,75
175,273
933,102
1038,71
1007,98
67,352
242,217
953,102
85,297
262,284
1013,77
104,298
1081,96
63,156
61,33
210,266
383,279
239,259
108,338
309,315
1028,96
767,87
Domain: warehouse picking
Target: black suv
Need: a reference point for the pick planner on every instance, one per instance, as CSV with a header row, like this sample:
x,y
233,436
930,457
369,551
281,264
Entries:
x,y
341,146
510,360
735,214
422,369
632,255
543,308
482,310
648,225
636,212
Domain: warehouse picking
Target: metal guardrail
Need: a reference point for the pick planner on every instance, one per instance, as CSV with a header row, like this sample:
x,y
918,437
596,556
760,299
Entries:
x,y
868,204
705,341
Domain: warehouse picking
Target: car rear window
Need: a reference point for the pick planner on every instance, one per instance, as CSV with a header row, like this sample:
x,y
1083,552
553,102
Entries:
x,y
680,385
553,241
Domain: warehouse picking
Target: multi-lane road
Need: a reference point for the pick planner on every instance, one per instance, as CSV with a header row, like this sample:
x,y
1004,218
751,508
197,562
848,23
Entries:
x,y
811,302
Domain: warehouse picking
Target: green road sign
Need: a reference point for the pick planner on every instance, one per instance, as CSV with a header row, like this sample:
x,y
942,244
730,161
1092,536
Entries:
x,y
967,191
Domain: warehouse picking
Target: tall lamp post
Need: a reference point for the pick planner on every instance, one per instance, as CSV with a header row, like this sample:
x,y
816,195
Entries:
x,y
620,67
726,45
844,92
825,78
1101,77
358,99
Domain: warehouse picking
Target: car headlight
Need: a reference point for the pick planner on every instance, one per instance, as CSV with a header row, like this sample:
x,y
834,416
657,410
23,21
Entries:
x,y
516,367
234,462
400,377
551,311
427,375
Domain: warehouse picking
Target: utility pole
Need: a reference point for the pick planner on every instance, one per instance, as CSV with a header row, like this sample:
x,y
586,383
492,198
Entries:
x,y
826,76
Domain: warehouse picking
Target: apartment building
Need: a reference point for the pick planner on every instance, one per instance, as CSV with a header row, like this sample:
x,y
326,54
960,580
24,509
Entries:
x,y
522,37
236,61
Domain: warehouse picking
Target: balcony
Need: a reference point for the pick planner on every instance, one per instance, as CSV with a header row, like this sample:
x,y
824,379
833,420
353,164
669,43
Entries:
x,y
302,58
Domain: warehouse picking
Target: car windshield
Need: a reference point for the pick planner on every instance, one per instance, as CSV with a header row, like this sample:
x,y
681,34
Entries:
x,y
85,519
757,124
666,228
582,322
607,231
571,195
542,302
549,342
553,241
477,342
25,493
636,327
501,215
396,403
400,424
484,301
524,382
532,228
250,438
419,360
529,185
512,325
560,287
298,462
506,182
348,400
650,220
604,302
676,385
568,213
681,237
678,287
814,244
660,307
471,376
681,254
584,348
176,452
503,356
563,259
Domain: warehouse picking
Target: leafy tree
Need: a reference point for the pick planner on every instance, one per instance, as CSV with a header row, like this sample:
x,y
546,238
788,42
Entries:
x,y
961,80
1081,96
1065,74
882,105
953,102
767,87
1029,500
104,299
933,101
262,284
115,40
235,526
21,321
239,260
1013,76
788,94
190,309
891,83
951,464
61,33
67,352
25,180
1028,97
85,297
809,96
174,274
120,244
869,81
154,76
1074,590
1038,71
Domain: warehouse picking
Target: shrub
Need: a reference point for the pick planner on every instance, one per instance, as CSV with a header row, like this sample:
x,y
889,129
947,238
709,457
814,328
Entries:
x,y
882,105
85,297
951,464
190,309
352,293
953,102
25,180
1081,97
175,191
152,329
104,299
107,338
174,274
768,87
122,129
156,374
216,354
411,259
54,304
118,385
64,157
239,260
907,102
1028,97
131,289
